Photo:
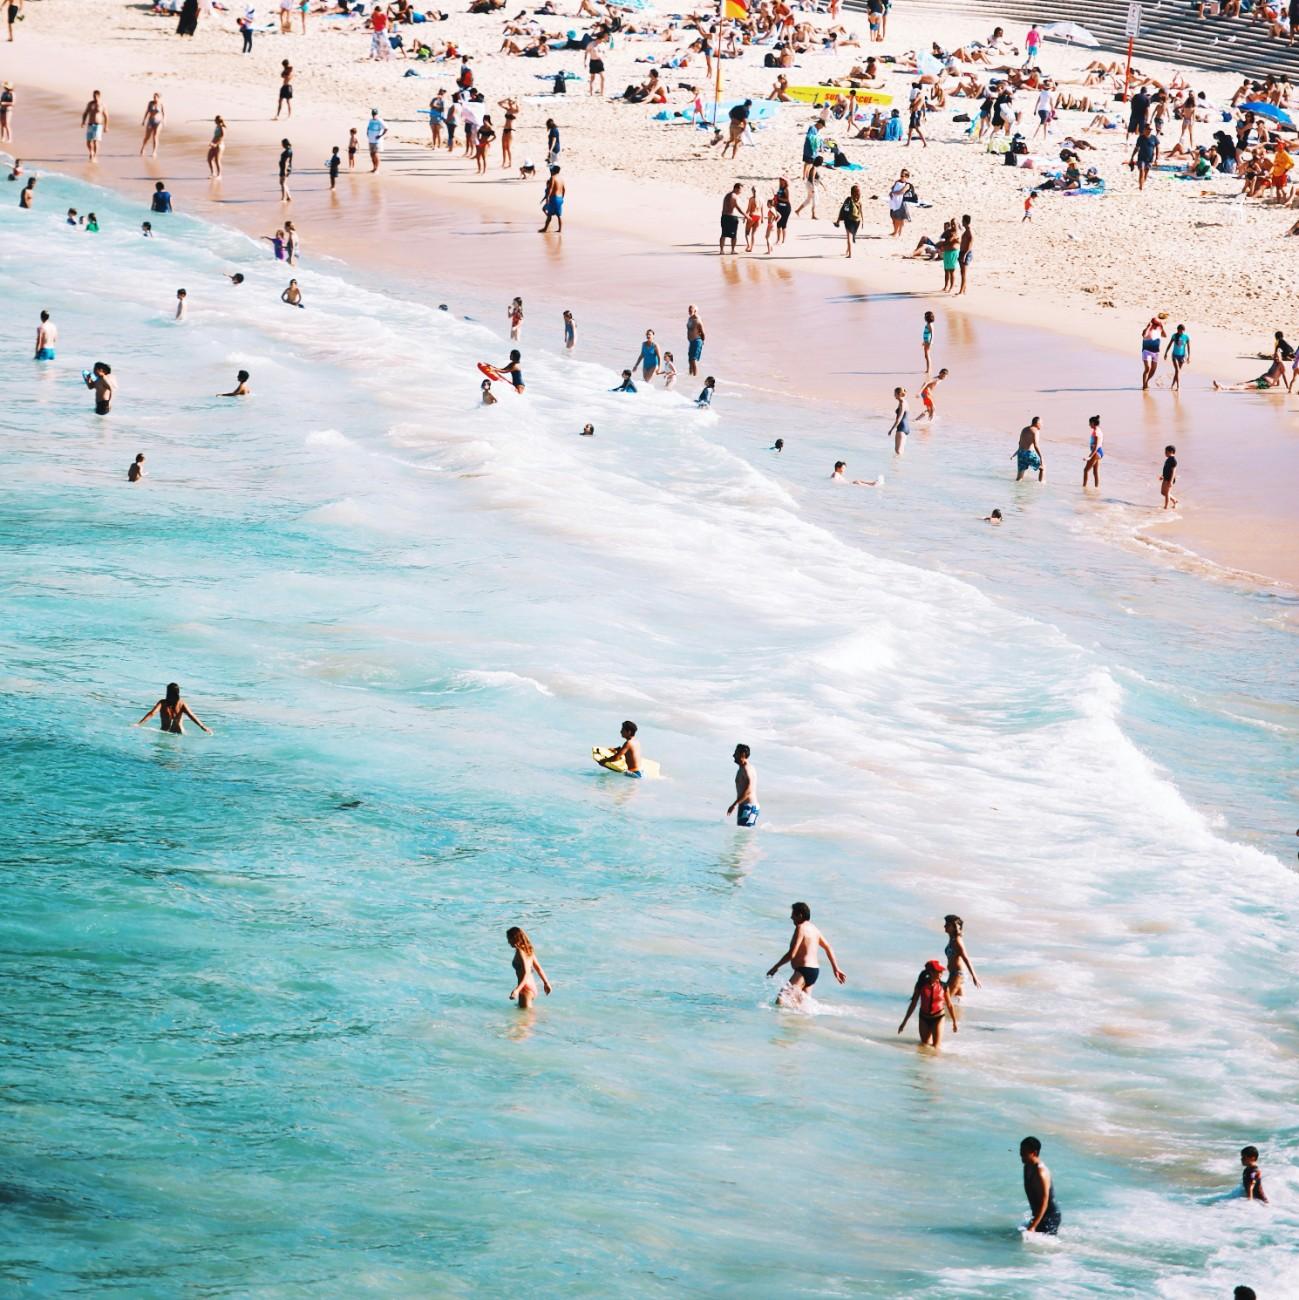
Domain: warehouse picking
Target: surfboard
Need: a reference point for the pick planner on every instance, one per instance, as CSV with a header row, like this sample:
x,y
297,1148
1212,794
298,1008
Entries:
x,y
491,372
828,94
649,768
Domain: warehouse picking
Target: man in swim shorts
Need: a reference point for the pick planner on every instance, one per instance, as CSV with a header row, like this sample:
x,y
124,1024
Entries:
x,y
628,751
1043,1211
730,218
100,378
47,335
965,257
94,118
694,339
745,806
803,958
1029,455
552,202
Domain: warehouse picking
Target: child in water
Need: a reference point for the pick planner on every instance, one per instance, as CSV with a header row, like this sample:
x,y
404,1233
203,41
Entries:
x,y
1251,1176
927,337
488,397
525,963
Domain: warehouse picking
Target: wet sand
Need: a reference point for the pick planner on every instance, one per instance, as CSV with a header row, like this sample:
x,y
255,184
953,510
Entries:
x,y
801,326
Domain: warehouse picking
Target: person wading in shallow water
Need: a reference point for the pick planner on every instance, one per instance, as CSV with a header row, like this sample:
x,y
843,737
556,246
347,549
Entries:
x,y
173,711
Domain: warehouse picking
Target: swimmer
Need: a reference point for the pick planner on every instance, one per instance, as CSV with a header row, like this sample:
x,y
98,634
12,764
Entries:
x,y
838,477
626,386
237,278
705,398
588,431
241,388
1043,1211
778,445
1095,452
570,331
927,394
956,955
489,398
994,518
100,378
901,425
629,750
669,371
927,337
935,1002
135,472
180,304
1251,1176
293,295
1168,476
47,336
803,958
525,963
745,807
28,195
513,369
1029,455
173,711
146,229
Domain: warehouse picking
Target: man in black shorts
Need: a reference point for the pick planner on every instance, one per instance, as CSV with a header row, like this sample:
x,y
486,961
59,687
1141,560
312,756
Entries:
x,y
730,218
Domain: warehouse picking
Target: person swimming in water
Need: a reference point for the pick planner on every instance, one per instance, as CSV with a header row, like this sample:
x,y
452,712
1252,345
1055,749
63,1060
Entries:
x,y
241,388
803,958
173,711
525,963
935,1002
956,955
840,468
1038,1187
628,751
135,471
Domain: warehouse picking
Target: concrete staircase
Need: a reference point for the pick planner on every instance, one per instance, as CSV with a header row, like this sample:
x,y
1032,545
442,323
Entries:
x,y
1170,31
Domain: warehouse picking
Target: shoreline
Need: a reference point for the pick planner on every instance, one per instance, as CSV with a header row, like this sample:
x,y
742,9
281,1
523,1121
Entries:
x,y
1237,522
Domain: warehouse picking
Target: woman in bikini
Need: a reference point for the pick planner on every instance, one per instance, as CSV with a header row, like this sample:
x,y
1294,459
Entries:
x,y
525,963
935,1002
217,147
173,711
154,116
511,109
957,956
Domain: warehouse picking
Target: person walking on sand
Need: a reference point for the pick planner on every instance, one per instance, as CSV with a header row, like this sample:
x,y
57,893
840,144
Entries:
x,y
1095,452
1152,338
285,101
154,116
1044,1214
47,337
955,950
514,314
934,1001
1028,455
803,956
901,426
286,170
850,218
1145,154
694,339
94,117
812,182
525,964
173,711
745,806
13,13
1179,349
552,202
730,218
375,129
966,255
900,195
217,147
380,46
1168,476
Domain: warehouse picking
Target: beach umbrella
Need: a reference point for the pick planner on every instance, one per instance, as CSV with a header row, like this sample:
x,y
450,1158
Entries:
x,y
1260,109
1074,33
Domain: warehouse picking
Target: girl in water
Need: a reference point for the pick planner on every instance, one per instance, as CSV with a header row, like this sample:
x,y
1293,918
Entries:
x,y
901,425
173,712
1095,452
935,1002
525,963
956,955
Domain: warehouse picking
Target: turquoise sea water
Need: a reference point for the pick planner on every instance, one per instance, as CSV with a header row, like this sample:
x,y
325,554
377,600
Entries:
x,y
256,1037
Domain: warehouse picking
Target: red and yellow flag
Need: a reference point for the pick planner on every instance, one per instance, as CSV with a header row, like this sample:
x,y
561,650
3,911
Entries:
x,y
735,9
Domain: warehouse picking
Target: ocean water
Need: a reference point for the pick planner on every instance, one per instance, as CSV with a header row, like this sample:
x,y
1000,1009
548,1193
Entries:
x,y
256,1032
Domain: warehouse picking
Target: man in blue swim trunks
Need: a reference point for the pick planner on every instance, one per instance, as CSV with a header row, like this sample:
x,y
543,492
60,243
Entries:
x,y
47,335
804,958
552,202
1029,455
694,339
745,806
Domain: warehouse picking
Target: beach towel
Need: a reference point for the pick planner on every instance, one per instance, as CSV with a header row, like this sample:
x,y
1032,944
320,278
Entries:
x,y
846,167
550,76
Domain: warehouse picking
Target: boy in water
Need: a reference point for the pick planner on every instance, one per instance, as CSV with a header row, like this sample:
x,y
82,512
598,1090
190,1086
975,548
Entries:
x,y
803,958
705,398
1168,476
626,386
1043,1211
335,165
1029,455
136,471
927,393
241,388
1251,1176
628,751
745,806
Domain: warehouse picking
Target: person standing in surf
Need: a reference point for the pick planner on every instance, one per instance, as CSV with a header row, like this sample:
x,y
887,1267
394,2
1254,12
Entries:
x,y
1028,455
957,956
1095,452
745,806
173,711
803,958
525,964
628,751
1038,1187
935,1002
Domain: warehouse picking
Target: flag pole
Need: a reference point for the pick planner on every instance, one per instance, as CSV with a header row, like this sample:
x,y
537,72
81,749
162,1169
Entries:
x,y
717,54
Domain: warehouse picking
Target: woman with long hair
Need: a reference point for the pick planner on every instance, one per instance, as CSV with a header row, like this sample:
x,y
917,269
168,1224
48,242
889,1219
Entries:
x,y
525,963
957,956
173,711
